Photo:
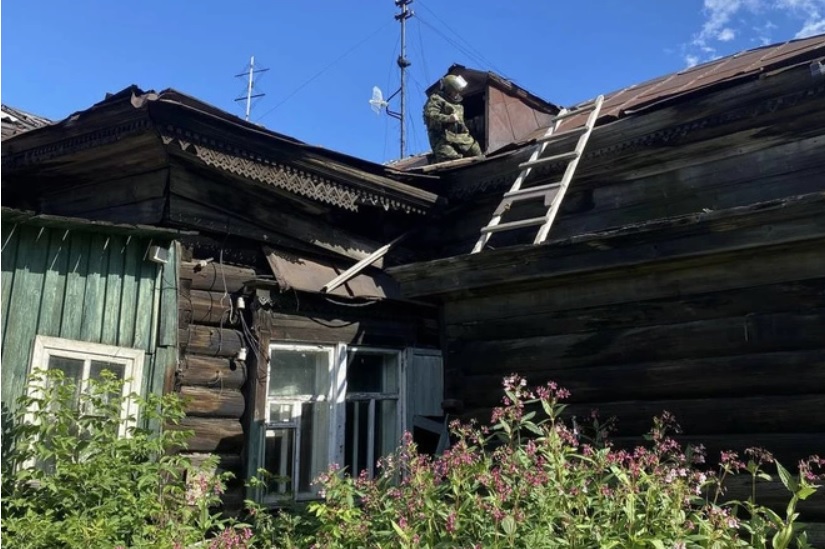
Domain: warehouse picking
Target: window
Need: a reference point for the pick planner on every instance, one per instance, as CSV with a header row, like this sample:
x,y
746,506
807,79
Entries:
x,y
297,437
372,419
328,404
81,361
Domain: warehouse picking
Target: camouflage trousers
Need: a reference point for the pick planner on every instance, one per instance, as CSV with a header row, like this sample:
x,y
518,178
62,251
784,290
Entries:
x,y
453,149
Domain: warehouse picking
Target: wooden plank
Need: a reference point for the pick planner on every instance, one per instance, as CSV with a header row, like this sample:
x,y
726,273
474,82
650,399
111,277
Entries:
x,y
114,290
54,284
132,262
145,303
749,334
215,276
212,435
265,223
91,325
216,373
10,238
168,322
78,200
24,305
532,320
206,402
75,285
722,272
699,235
210,341
715,376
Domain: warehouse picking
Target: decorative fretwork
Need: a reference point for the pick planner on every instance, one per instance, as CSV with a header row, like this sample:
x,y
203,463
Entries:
x,y
264,170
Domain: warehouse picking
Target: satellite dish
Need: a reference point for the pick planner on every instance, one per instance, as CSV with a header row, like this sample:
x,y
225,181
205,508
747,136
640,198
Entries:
x,y
377,102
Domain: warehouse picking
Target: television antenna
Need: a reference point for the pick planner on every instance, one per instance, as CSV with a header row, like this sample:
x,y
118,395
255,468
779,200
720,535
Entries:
x,y
378,103
249,74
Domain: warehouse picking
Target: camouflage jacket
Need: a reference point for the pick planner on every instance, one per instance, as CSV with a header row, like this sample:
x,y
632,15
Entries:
x,y
437,113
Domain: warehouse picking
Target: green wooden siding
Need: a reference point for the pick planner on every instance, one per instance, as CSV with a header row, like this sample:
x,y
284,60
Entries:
x,y
86,286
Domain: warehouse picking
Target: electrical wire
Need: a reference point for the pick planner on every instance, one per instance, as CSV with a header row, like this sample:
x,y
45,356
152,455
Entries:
x,y
421,52
475,53
323,70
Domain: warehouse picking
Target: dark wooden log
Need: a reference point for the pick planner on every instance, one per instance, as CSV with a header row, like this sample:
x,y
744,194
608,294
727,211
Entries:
x,y
775,496
788,447
533,320
723,416
206,402
753,227
224,436
209,308
216,373
750,334
232,463
355,330
210,341
673,280
752,374
216,277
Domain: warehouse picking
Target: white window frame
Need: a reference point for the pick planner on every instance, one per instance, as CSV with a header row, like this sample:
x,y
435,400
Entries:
x,y
338,398
295,423
132,360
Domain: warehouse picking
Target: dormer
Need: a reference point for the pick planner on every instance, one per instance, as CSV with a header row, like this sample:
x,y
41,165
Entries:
x,y
498,112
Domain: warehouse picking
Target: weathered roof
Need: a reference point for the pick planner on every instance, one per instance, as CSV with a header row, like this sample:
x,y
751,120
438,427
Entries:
x,y
739,66
221,140
15,121
660,91
28,217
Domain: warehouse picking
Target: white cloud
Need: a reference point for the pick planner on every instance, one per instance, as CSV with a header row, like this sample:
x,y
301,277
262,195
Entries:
x,y
725,21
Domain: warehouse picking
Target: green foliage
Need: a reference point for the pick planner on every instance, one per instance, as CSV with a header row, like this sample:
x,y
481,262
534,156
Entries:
x,y
533,481
74,480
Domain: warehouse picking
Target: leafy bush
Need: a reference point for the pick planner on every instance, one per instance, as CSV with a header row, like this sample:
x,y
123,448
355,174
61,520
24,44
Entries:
x,y
73,480
530,482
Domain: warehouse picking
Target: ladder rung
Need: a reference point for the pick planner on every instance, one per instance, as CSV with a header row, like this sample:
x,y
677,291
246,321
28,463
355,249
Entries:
x,y
565,133
514,225
571,113
555,158
531,192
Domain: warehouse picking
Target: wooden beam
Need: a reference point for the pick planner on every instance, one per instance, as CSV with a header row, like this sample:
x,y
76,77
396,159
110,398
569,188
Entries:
x,y
212,372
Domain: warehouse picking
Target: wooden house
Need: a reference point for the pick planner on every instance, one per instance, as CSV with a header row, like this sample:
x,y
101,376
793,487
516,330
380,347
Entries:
x,y
275,373
685,272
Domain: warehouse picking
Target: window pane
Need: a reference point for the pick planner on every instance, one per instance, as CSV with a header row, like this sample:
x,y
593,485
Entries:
x,y
279,446
280,412
98,366
72,369
314,444
372,372
387,436
356,444
293,373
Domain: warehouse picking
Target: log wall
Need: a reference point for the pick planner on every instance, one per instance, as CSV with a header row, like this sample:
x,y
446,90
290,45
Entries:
x,y
210,378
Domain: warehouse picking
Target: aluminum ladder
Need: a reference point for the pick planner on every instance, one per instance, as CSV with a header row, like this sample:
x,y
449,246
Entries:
x,y
553,193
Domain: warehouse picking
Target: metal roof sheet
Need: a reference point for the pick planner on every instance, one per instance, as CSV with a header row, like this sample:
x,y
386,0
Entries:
x,y
15,121
746,64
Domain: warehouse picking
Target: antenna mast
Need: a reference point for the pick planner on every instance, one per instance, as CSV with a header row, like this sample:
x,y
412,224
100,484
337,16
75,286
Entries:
x,y
403,63
250,75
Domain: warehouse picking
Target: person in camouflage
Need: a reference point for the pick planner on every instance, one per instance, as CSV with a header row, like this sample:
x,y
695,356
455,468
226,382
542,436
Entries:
x,y
444,118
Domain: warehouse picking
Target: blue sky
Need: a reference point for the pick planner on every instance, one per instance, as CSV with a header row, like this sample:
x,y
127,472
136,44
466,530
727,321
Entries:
x,y
324,57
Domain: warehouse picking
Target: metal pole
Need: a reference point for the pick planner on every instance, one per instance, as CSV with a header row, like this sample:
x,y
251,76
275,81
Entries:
x,y
403,63
249,87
